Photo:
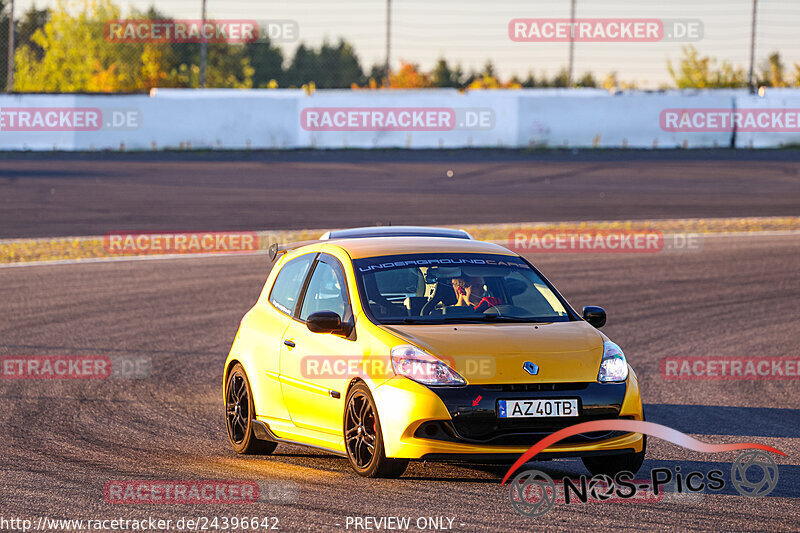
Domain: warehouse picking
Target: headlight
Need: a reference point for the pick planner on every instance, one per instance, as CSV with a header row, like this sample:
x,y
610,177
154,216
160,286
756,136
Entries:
x,y
614,367
413,363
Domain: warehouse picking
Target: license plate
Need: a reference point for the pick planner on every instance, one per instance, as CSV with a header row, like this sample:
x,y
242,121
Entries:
x,y
537,408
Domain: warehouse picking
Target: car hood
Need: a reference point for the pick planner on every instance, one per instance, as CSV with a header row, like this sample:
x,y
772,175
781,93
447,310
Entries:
x,y
495,353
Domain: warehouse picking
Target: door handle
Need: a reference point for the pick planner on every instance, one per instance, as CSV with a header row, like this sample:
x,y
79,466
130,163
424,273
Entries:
x,y
289,343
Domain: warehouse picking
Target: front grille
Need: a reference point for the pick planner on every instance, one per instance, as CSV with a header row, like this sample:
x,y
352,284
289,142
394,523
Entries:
x,y
487,428
516,435
474,412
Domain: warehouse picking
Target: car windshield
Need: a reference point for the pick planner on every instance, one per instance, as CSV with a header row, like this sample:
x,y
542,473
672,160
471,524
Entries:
x,y
458,288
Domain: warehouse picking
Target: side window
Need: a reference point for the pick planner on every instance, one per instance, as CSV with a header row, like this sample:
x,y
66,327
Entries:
x,y
289,282
326,291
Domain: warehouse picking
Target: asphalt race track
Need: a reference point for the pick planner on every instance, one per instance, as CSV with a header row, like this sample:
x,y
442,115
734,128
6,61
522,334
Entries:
x,y
64,440
94,194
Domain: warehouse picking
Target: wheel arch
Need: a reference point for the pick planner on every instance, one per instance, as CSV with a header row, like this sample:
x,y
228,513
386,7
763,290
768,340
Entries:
x,y
228,369
352,383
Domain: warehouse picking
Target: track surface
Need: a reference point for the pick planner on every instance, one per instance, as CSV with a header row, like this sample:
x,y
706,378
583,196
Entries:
x,y
44,195
64,440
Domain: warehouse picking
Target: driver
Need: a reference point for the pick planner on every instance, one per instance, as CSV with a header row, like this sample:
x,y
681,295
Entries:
x,y
469,291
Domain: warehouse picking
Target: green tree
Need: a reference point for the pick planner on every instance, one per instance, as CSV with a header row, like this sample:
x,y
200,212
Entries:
x,y
304,66
32,20
330,67
561,78
529,81
377,74
340,66
267,62
469,78
227,66
587,80
458,76
72,54
772,72
3,45
442,76
698,72
24,27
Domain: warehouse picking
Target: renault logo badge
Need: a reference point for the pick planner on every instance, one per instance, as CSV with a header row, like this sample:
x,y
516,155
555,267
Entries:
x,y
531,368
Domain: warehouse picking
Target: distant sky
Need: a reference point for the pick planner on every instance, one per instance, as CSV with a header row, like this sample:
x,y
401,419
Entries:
x,y
472,31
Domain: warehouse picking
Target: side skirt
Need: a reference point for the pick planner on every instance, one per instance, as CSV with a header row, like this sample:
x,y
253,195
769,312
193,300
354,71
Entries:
x,y
261,431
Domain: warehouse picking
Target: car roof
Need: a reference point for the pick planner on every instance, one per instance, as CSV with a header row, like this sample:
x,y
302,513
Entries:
x,y
380,246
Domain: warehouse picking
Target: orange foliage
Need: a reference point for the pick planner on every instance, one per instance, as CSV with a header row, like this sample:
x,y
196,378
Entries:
x,y
407,77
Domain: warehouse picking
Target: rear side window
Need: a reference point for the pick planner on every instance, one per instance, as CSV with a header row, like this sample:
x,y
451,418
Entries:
x,y
289,282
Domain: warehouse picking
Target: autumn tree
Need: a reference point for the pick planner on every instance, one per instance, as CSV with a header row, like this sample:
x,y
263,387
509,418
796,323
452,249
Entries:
x,y
71,53
772,72
408,76
698,72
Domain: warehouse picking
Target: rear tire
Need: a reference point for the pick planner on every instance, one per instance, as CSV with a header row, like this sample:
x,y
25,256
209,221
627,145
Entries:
x,y
610,465
363,437
239,415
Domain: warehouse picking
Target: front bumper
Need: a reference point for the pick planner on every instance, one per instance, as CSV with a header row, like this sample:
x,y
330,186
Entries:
x,y
461,423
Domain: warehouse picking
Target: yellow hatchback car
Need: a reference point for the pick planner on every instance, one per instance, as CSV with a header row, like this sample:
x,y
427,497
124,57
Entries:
x,y
389,344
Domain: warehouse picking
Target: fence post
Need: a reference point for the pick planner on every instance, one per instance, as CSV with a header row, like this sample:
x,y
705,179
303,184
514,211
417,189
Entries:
x,y
752,48
388,38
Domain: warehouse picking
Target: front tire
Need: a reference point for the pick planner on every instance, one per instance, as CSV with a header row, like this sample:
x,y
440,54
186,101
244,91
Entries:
x,y
239,414
363,438
610,465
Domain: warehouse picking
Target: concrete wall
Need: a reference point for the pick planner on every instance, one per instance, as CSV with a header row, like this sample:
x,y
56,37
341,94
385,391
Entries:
x,y
288,118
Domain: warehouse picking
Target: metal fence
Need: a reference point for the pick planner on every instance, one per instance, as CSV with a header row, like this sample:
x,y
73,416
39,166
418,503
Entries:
x,y
128,46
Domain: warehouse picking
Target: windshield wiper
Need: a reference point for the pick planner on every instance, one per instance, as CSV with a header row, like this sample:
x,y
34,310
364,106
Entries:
x,y
463,319
493,318
406,320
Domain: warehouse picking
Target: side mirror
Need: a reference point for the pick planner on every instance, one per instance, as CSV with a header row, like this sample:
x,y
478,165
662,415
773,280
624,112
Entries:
x,y
324,322
594,315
